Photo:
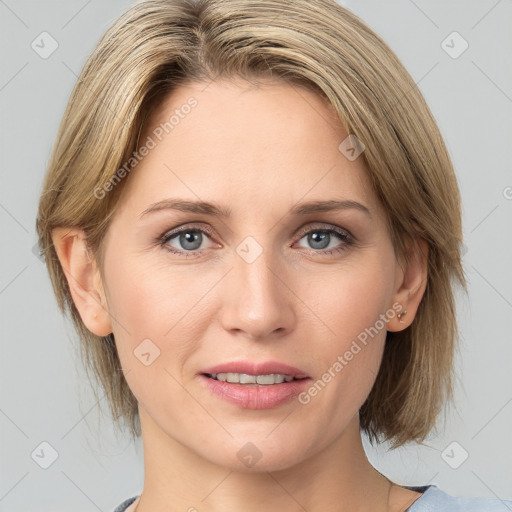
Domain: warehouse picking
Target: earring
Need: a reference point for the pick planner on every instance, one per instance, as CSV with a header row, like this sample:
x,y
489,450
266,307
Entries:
x,y
400,315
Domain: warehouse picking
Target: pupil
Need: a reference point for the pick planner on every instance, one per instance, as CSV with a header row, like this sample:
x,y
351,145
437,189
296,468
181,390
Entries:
x,y
190,237
319,237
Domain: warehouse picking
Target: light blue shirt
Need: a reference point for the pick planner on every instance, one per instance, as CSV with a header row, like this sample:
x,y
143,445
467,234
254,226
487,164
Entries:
x,y
436,500
432,500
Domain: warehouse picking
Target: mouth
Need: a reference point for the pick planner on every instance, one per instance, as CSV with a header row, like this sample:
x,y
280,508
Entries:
x,y
248,379
251,385
264,373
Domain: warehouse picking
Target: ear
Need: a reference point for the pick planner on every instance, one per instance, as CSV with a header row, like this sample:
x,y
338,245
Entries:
x,y
84,279
410,284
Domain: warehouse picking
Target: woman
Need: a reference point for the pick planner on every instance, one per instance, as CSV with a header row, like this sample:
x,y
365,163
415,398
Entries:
x,y
254,223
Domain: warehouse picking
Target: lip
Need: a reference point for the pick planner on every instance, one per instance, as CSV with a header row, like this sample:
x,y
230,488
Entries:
x,y
252,368
255,396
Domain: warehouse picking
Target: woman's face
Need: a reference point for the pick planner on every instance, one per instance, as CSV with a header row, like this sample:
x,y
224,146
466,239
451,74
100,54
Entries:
x,y
268,283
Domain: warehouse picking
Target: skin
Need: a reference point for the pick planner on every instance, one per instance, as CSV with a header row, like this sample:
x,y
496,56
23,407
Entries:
x,y
258,150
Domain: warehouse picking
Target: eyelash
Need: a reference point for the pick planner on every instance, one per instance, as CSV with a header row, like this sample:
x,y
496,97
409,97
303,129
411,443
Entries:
x,y
343,235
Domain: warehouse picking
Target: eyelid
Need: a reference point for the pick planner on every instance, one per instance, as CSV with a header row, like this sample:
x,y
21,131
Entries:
x,y
322,226
178,229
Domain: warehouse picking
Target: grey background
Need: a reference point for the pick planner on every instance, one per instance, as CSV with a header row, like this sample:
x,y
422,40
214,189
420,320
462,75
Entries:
x,y
45,396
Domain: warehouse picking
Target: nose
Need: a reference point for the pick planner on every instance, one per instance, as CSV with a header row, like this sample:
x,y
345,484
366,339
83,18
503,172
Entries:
x,y
257,300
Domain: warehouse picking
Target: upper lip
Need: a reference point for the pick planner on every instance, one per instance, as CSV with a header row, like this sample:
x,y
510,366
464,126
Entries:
x,y
253,368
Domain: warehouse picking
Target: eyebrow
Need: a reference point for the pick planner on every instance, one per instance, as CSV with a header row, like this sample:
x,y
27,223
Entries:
x,y
215,210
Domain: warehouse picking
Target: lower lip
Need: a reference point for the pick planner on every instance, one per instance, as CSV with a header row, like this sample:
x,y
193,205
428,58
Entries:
x,y
251,396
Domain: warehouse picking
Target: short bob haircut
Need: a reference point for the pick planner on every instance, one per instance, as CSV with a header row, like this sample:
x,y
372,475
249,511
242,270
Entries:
x,y
158,45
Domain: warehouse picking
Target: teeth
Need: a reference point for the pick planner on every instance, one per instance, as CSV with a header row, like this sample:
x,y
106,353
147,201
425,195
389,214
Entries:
x,y
245,378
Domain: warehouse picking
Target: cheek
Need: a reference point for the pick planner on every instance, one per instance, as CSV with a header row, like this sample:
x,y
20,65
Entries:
x,y
137,299
148,301
350,298
351,304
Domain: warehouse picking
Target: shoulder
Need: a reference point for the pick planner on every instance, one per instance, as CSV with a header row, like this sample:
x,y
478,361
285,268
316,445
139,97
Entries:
x,y
125,504
434,499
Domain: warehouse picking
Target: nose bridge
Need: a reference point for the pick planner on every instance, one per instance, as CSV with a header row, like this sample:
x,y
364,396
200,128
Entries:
x,y
259,302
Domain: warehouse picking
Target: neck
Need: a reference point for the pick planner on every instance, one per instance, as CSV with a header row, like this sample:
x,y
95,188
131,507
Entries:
x,y
340,478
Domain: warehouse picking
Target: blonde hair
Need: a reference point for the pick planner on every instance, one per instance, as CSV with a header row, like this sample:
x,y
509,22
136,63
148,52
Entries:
x,y
158,45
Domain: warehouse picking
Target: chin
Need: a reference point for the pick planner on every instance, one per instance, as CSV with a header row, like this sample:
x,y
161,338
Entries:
x,y
255,454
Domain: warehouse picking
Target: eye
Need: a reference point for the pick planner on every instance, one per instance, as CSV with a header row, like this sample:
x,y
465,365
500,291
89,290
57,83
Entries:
x,y
187,240
323,239
190,240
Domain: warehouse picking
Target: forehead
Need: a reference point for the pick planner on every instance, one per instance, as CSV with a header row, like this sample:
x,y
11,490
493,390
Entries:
x,y
244,144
